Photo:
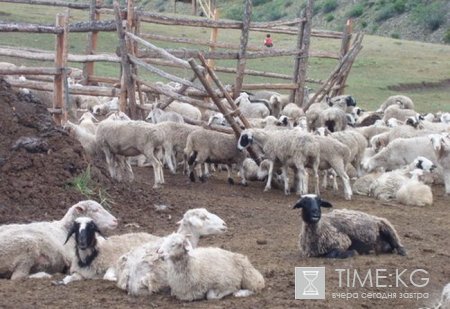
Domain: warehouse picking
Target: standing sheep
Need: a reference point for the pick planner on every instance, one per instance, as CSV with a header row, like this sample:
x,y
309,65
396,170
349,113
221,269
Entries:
x,y
341,232
441,148
158,115
210,273
251,110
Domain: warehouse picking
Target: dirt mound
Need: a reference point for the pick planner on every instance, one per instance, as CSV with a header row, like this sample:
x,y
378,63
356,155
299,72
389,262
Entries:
x,y
422,86
36,158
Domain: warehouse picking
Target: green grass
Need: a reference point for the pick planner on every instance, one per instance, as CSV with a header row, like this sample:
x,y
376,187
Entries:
x,y
383,62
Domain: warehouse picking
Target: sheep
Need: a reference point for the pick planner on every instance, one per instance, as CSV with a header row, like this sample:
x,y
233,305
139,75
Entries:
x,y
253,172
140,271
292,112
401,101
385,187
372,130
84,136
395,111
158,115
340,233
106,107
95,255
38,246
210,273
120,139
251,110
86,102
87,121
400,152
445,297
218,119
368,119
277,103
441,149
362,185
212,147
290,148
419,122
413,192
183,109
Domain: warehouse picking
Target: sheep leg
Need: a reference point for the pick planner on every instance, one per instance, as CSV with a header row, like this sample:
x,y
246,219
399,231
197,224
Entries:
x,y
214,294
335,184
110,162
156,164
242,175
40,275
339,254
168,158
69,279
284,173
388,234
325,180
447,181
315,169
22,270
269,178
230,180
243,293
340,170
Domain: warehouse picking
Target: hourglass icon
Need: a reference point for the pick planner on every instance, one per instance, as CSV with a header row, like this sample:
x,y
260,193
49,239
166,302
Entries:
x,y
310,276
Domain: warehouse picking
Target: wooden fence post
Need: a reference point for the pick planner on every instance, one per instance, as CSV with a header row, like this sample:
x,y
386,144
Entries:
x,y
243,48
88,67
345,47
213,41
303,61
301,32
60,63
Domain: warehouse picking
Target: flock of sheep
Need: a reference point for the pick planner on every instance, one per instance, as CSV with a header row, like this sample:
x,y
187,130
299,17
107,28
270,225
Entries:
x,y
393,153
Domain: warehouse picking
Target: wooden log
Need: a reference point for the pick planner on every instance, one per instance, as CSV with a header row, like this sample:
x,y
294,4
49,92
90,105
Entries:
x,y
345,46
163,74
170,93
94,25
67,106
242,58
203,124
213,39
303,63
19,53
71,5
101,79
91,46
221,55
30,71
269,86
131,85
85,90
297,59
29,28
58,82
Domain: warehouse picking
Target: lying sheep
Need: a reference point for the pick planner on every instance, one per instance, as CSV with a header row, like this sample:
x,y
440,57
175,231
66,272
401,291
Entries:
x,y
205,145
140,271
253,172
251,110
38,246
210,273
86,102
402,101
106,107
340,233
95,256
413,192
183,109
158,115
395,111
335,119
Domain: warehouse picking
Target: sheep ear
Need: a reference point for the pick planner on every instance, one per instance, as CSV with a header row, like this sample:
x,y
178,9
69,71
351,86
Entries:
x,y
299,204
80,209
325,204
71,231
99,232
187,246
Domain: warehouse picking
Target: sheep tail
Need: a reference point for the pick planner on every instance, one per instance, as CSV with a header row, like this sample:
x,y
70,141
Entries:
x,y
251,278
389,234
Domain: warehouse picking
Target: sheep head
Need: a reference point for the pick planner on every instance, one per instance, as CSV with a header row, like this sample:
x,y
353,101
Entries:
x,y
245,140
311,207
175,245
201,222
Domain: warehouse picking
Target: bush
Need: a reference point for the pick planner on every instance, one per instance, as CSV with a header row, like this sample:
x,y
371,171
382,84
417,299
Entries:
x,y
235,12
259,2
356,11
447,36
432,16
329,6
363,24
329,17
395,35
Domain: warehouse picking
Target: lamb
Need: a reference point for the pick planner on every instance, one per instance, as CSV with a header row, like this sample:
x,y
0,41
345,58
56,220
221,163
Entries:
x,y
397,112
140,271
38,246
95,255
400,152
210,273
87,121
251,110
218,119
277,103
292,112
419,122
84,136
120,139
413,192
441,148
183,109
158,115
86,102
253,172
372,130
340,233
288,147
385,187
106,107
362,185
212,147
402,101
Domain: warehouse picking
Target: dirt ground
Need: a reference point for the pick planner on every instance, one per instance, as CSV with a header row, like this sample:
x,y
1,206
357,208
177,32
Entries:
x,y
34,186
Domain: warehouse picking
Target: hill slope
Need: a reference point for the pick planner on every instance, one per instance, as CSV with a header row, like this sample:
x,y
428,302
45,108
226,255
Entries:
x,y
420,20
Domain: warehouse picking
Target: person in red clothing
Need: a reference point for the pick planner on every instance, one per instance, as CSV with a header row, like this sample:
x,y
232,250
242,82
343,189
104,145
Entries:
x,y
268,41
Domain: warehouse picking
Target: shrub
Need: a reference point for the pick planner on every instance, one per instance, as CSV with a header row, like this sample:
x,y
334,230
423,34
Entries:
x,y
259,2
432,16
356,11
235,12
329,17
395,35
329,6
447,36
363,24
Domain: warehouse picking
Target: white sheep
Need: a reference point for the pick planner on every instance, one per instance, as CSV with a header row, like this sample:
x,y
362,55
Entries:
x,y
95,256
402,101
210,273
395,111
183,109
340,233
253,172
39,246
413,192
293,113
89,122
84,136
158,115
106,107
251,110
140,271
441,148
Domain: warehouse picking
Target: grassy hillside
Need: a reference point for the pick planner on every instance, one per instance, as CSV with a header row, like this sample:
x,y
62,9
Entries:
x,y
384,63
